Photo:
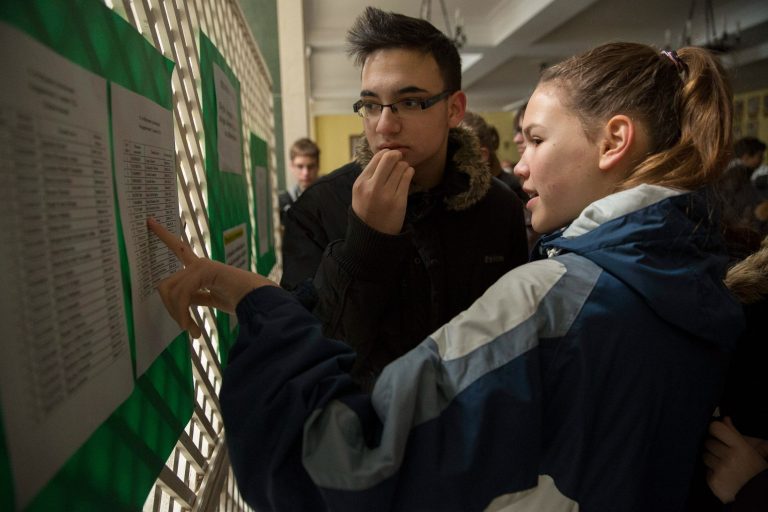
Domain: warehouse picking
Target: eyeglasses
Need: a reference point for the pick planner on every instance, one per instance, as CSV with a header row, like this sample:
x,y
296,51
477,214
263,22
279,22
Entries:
x,y
403,108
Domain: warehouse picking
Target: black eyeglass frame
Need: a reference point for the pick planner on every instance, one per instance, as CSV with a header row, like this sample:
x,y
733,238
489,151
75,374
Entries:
x,y
424,104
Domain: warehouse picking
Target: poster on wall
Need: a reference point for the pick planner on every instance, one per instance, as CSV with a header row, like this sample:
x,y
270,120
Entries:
x,y
145,175
227,186
71,403
262,193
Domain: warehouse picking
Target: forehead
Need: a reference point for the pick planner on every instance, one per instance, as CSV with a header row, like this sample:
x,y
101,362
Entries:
x,y
304,160
394,69
545,103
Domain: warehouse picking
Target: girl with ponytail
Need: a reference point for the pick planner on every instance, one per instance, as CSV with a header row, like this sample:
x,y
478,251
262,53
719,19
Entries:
x,y
583,380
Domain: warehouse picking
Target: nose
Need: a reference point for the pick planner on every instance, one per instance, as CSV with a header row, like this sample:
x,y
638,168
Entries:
x,y
388,122
521,168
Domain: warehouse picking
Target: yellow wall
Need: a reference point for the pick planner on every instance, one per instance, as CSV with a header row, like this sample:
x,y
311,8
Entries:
x,y
333,133
755,125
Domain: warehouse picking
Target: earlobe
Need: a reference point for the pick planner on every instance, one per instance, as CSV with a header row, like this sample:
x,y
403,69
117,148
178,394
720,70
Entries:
x,y
617,142
457,106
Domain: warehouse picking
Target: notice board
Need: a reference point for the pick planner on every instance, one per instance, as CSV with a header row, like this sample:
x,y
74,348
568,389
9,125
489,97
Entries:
x,y
94,377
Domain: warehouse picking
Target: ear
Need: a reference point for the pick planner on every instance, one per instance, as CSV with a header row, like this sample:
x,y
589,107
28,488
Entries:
x,y
457,106
484,153
617,142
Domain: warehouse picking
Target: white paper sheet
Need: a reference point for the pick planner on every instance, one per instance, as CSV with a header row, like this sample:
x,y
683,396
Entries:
x,y
229,143
66,360
146,187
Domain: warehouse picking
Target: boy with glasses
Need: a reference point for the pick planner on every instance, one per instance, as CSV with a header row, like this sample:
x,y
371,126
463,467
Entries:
x,y
389,247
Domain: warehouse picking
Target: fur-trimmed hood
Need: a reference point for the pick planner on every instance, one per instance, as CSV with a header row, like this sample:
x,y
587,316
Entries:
x,y
466,160
748,279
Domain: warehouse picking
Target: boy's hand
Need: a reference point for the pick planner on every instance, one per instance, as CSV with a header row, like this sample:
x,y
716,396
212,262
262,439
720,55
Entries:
x,y
380,193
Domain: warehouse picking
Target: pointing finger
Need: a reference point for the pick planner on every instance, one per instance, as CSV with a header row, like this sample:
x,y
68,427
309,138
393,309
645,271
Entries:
x,y
173,242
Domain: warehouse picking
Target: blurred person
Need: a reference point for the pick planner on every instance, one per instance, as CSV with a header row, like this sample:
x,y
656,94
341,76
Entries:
x,y
739,194
305,164
733,474
517,123
488,137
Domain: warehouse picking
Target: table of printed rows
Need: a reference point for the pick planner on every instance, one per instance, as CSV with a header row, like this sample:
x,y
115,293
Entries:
x,y
59,222
150,185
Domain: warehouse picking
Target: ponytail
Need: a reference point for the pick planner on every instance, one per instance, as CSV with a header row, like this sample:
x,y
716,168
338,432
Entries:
x,y
705,120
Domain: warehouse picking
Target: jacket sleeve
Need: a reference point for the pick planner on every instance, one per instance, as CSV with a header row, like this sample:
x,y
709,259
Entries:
x,y
358,282
753,496
304,241
452,425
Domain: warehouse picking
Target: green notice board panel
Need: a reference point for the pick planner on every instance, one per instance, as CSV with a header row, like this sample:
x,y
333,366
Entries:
x,y
262,194
227,187
119,460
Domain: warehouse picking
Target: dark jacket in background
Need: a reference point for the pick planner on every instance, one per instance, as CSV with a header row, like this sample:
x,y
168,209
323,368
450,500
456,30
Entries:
x,y
384,294
285,200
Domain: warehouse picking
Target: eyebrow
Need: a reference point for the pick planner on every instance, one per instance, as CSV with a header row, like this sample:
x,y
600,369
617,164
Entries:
x,y
405,90
527,129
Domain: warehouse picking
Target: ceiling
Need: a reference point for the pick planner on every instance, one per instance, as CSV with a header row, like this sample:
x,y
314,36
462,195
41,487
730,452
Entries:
x,y
516,38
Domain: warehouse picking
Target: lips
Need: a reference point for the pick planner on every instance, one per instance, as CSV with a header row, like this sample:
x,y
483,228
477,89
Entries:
x,y
533,198
531,193
392,146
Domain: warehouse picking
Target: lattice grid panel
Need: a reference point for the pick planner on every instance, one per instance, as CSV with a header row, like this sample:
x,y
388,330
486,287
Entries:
x,y
197,476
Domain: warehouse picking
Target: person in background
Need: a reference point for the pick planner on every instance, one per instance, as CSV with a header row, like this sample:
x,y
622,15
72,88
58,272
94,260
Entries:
x,y
305,164
389,247
517,122
749,152
733,475
489,144
576,382
740,197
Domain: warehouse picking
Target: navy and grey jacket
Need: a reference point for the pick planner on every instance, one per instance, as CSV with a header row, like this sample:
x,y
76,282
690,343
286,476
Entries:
x,y
583,381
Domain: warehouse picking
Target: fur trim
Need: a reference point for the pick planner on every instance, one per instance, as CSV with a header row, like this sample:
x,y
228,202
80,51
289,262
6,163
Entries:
x,y
466,159
748,279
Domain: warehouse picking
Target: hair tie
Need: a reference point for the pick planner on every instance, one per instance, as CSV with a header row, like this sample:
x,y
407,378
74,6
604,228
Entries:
x,y
675,58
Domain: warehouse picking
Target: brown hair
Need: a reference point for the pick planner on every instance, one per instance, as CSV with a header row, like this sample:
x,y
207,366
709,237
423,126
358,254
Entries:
x,y
683,100
304,147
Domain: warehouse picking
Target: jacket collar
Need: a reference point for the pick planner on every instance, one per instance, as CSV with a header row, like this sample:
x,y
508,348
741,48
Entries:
x,y
466,179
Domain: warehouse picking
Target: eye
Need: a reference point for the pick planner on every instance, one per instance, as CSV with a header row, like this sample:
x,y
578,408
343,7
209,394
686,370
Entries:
x,y
534,141
409,104
371,107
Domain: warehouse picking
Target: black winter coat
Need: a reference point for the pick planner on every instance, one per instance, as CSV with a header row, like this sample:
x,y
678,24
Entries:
x,y
384,294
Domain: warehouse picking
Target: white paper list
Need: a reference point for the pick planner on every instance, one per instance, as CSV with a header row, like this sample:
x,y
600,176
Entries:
x,y
66,361
228,131
146,187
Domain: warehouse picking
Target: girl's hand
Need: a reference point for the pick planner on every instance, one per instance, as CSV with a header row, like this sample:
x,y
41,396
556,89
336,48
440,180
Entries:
x,y
202,282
